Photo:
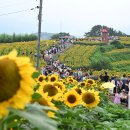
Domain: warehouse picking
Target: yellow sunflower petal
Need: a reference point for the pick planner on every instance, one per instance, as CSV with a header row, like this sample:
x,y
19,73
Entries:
x,y
16,84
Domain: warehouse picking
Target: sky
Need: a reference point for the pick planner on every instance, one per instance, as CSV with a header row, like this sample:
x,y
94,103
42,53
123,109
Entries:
x,y
72,16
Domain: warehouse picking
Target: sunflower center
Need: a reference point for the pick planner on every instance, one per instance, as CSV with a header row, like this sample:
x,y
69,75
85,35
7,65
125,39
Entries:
x,y
88,98
53,79
71,98
90,81
52,90
41,79
78,90
70,80
9,79
82,84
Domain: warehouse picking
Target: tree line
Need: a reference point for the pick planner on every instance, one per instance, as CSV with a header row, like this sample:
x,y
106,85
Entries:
x,y
59,35
6,38
96,31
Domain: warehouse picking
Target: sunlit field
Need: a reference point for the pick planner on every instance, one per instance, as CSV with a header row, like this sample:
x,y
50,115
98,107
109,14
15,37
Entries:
x,y
28,49
30,100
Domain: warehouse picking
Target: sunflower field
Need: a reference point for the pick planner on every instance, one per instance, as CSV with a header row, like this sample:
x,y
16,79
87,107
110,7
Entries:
x,y
27,49
77,55
84,55
125,40
31,101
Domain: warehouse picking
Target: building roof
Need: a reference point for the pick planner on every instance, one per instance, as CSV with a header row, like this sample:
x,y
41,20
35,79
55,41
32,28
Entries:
x,y
104,30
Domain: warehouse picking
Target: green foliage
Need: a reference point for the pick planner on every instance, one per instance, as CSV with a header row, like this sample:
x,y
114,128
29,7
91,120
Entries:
x,y
90,43
122,67
99,63
117,44
106,48
33,117
36,96
5,38
114,57
96,31
35,74
106,116
61,34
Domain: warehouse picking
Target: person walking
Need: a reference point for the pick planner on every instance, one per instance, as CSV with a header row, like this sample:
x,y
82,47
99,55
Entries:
x,y
106,77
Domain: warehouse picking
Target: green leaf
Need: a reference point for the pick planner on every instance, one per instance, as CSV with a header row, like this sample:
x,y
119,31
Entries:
x,y
37,117
36,87
8,121
36,96
35,74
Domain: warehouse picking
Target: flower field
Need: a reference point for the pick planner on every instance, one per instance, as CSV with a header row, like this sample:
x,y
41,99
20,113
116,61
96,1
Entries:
x,y
81,55
125,40
77,55
119,58
32,101
27,49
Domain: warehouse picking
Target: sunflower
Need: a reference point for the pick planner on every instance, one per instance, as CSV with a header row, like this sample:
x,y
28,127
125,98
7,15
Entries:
x,y
90,82
82,84
70,77
53,78
53,91
70,80
45,100
78,90
90,98
72,98
41,78
63,81
60,85
16,83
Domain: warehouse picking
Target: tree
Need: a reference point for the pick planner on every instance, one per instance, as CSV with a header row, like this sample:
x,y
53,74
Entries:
x,y
96,31
13,37
5,38
58,35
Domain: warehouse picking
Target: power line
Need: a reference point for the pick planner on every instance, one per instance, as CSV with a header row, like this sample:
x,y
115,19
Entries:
x,y
12,5
17,12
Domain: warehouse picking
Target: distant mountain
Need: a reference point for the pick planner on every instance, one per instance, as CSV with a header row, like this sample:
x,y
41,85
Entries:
x,y
45,35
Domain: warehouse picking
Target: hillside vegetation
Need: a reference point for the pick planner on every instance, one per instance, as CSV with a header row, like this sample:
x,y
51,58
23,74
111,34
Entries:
x,y
112,56
77,56
94,55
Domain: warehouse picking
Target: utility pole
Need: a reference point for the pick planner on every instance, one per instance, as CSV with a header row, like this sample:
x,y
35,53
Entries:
x,y
39,33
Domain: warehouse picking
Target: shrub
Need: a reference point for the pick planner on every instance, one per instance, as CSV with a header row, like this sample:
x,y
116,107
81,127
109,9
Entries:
x,y
117,44
100,63
106,48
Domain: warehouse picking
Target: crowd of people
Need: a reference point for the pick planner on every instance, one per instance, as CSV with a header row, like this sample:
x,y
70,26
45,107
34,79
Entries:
x,y
122,84
48,54
121,90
